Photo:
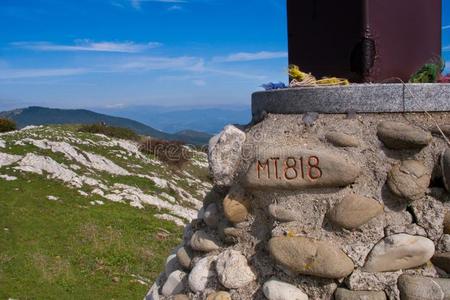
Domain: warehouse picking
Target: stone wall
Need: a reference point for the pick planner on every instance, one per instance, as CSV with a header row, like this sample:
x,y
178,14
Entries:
x,y
348,206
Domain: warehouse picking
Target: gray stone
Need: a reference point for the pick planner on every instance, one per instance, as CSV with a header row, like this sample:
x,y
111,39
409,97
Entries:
x,y
310,118
202,274
419,288
232,270
211,215
274,289
445,166
224,154
354,211
201,241
153,293
281,168
184,256
444,127
400,251
236,205
310,257
396,135
344,294
340,139
175,283
429,214
283,214
409,180
356,97
442,261
171,264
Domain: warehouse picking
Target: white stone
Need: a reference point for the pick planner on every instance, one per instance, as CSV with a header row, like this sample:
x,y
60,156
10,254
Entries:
x,y
225,150
400,251
201,241
175,283
232,270
8,159
278,290
202,273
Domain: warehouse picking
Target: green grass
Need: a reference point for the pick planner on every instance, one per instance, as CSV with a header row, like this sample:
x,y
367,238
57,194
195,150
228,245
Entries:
x,y
69,249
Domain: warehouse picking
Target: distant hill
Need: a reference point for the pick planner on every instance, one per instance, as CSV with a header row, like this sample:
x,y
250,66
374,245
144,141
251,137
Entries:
x,y
169,119
36,115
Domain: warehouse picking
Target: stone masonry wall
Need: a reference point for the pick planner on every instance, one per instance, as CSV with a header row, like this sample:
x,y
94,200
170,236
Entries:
x,y
321,207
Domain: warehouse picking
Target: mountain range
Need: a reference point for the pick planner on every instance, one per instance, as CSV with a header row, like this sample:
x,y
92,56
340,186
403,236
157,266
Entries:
x,y
35,115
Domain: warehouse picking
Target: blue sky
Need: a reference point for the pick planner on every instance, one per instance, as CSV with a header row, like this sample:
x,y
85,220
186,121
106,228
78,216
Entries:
x,y
111,53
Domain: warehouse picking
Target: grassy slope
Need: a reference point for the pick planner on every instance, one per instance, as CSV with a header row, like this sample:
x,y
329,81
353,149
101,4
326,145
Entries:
x,y
69,249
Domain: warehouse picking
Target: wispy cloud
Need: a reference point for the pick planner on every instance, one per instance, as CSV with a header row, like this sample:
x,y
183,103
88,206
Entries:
x,y
446,48
137,3
446,27
89,46
150,63
251,56
38,73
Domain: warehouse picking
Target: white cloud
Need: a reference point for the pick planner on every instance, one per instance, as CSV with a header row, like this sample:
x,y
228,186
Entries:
x,y
446,27
251,56
38,73
446,48
199,82
149,63
137,3
174,8
89,46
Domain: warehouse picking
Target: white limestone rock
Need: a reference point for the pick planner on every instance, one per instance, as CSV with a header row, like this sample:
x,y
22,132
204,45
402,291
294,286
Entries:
x,y
233,270
202,274
175,283
277,290
224,154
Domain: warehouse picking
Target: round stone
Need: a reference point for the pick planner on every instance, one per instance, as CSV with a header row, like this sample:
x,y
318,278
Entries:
x,y
354,211
202,274
180,297
184,256
211,215
409,180
396,135
219,296
344,294
236,205
310,257
400,251
175,283
417,288
282,214
232,270
339,139
274,289
201,241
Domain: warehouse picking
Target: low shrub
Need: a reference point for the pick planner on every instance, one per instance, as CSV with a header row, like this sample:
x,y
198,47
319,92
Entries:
x,y
111,131
7,125
172,152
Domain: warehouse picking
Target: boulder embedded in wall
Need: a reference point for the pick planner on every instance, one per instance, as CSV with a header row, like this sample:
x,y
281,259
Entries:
x,y
211,215
400,251
354,211
447,222
419,288
236,205
344,294
409,180
395,135
232,270
277,290
201,241
184,256
219,296
310,257
429,213
339,139
283,214
224,155
202,274
296,169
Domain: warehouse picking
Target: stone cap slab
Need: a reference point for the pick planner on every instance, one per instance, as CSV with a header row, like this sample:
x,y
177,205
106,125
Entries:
x,y
362,98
